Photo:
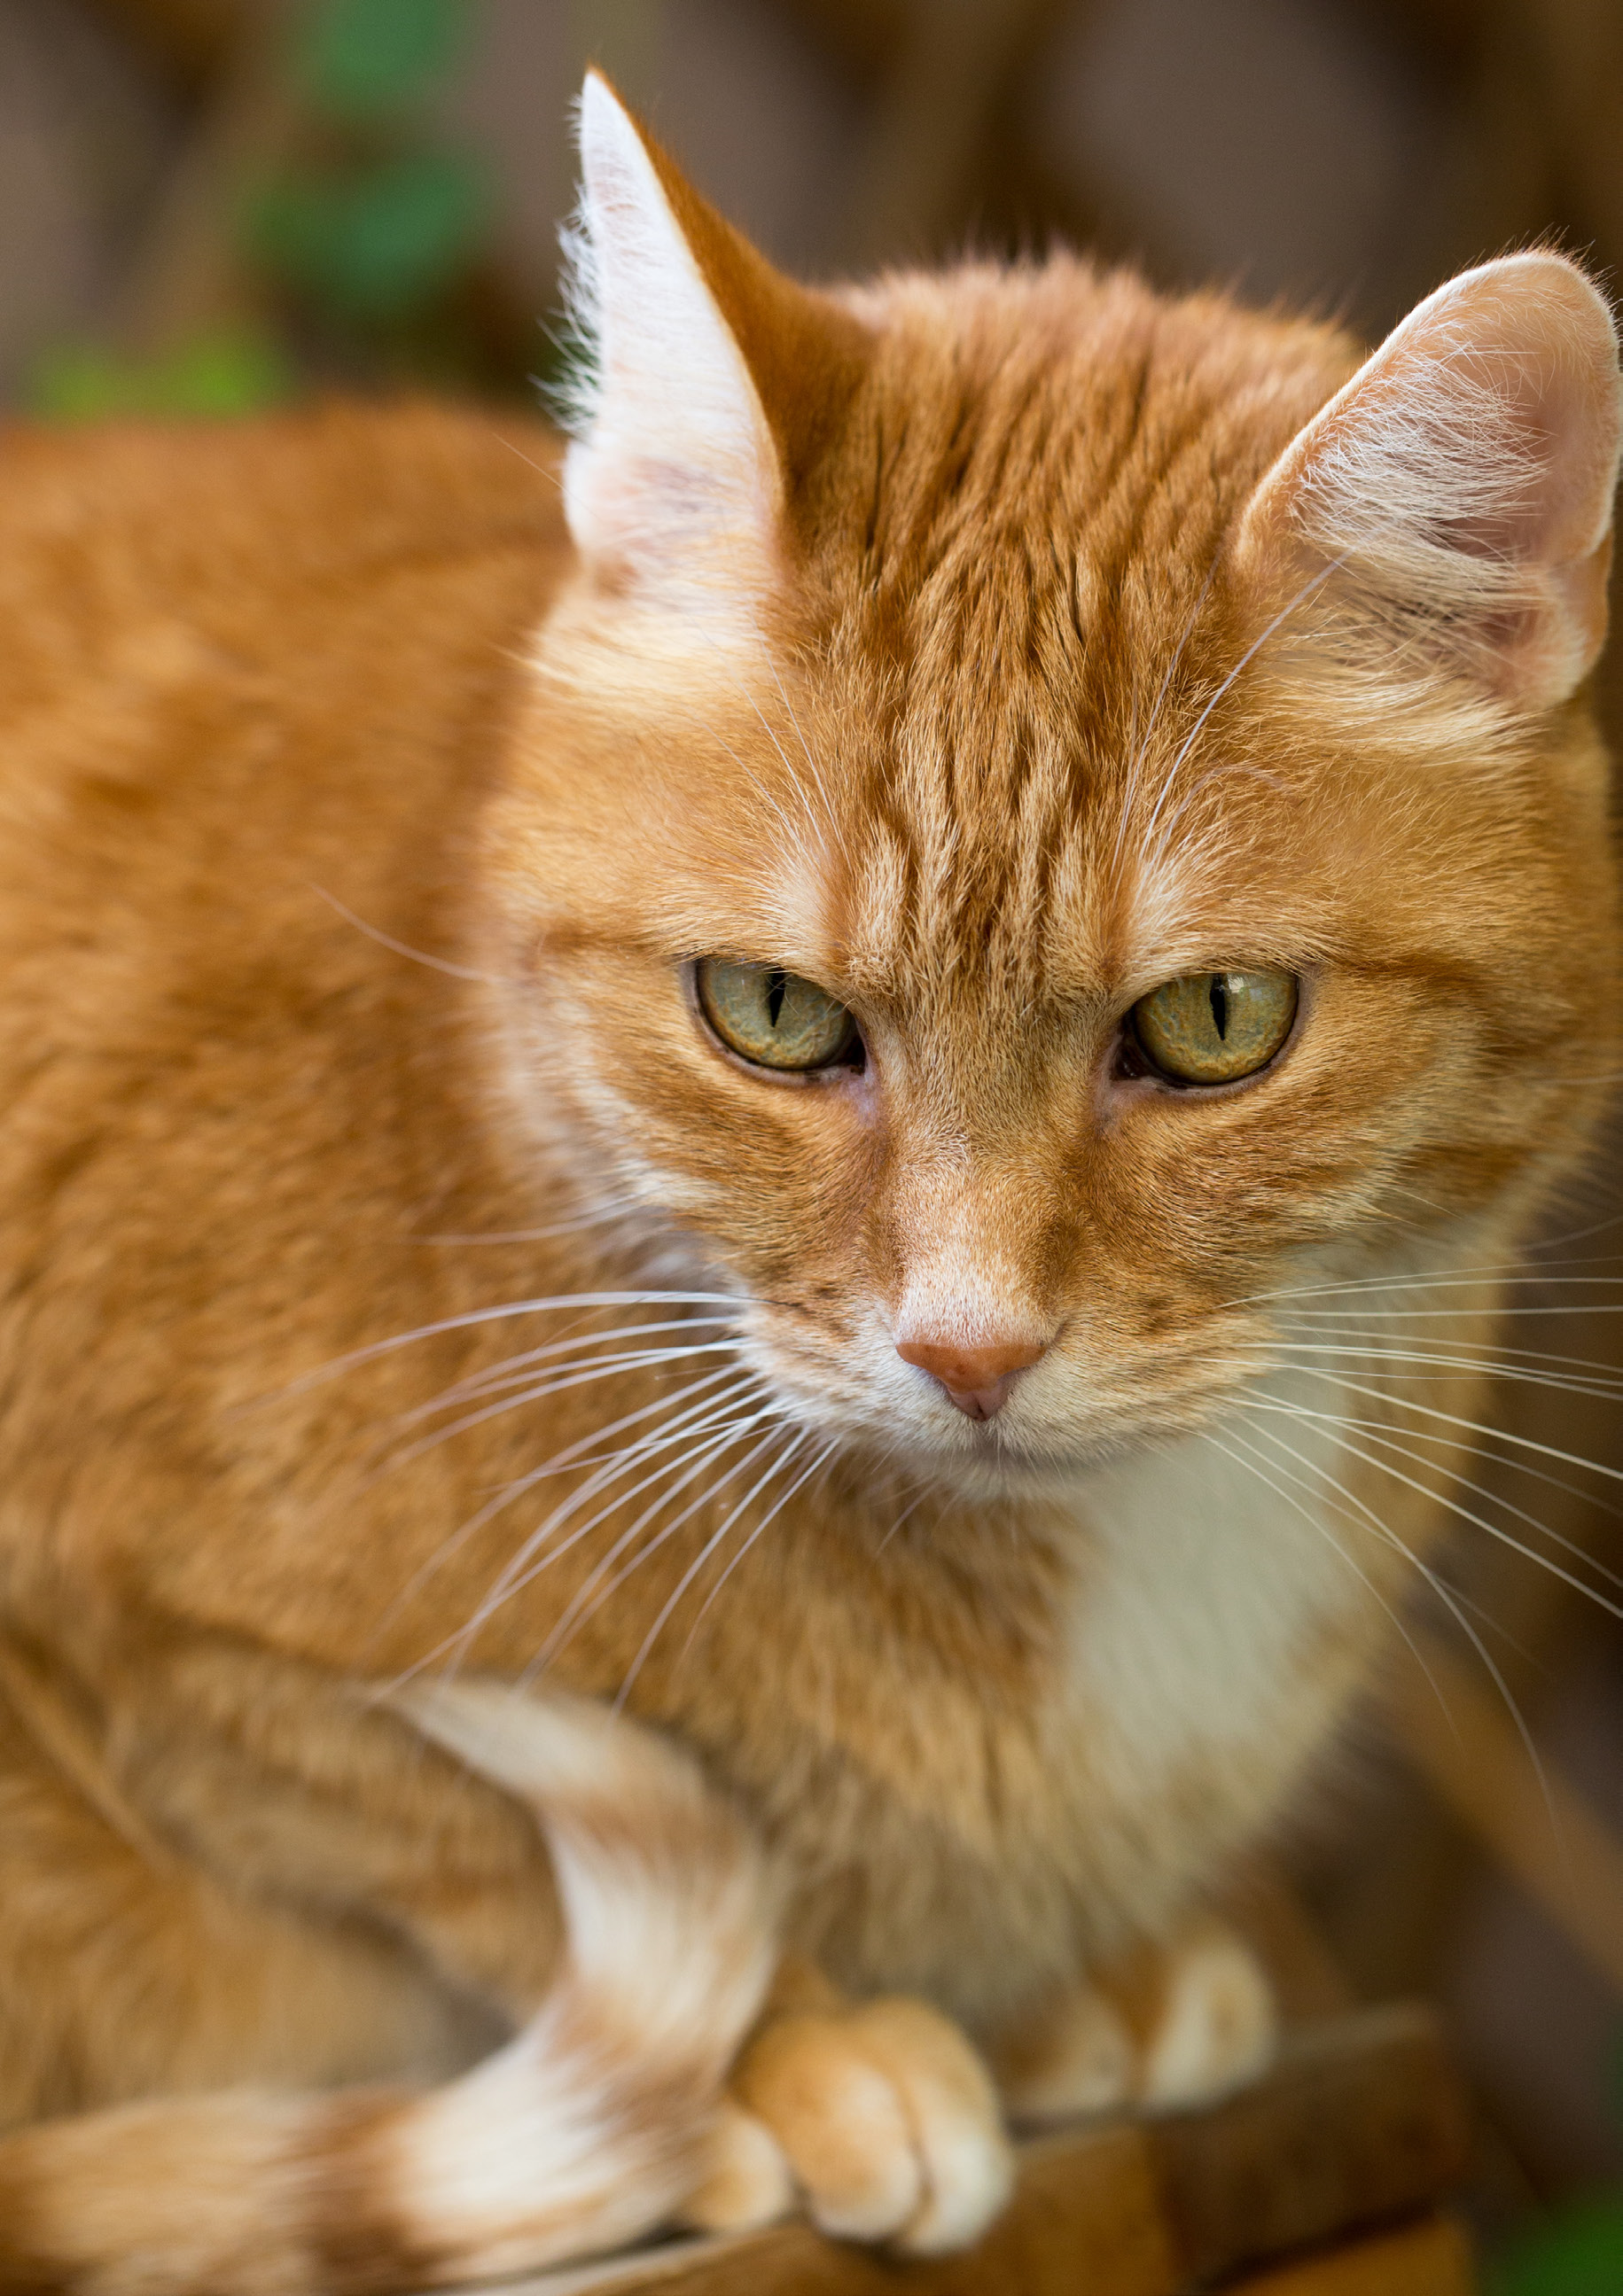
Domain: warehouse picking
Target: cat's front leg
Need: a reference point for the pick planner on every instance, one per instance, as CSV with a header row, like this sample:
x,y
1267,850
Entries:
x,y
1177,2023
879,2118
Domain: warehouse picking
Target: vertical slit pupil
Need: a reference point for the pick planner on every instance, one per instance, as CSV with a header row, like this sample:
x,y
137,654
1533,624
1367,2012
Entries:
x,y
1219,1006
777,983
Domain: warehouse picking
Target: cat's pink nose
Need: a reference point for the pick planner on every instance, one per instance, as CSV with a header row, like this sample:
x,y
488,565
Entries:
x,y
977,1380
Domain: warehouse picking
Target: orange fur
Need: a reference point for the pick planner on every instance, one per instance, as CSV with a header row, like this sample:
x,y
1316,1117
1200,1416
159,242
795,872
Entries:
x,y
933,667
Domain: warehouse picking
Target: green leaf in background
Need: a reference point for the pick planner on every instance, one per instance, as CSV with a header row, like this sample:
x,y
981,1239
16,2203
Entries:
x,y
1579,2255
217,374
371,60
378,243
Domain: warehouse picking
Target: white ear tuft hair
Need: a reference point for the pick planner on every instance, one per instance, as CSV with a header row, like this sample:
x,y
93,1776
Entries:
x,y
572,396
1455,495
672,478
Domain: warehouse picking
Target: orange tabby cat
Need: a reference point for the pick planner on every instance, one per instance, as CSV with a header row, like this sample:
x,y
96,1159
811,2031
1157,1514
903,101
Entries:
x,y
757,1085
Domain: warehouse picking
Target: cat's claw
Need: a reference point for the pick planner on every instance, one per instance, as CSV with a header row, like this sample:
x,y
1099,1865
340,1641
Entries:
x,y
881,2121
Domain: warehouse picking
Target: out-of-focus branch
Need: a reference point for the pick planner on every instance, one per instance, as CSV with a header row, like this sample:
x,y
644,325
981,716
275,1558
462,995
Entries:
x,y
1546,1835
192,40
188,275
953,75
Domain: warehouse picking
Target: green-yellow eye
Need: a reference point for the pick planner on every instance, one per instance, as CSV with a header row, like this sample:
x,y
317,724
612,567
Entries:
x,y
773,1017
1213,1028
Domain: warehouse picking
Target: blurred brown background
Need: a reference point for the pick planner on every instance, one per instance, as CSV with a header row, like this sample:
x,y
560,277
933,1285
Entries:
x,y
209,205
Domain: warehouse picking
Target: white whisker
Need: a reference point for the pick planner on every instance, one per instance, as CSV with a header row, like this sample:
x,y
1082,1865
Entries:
x,y
476,1316
1389,1439
1469,1426
604,1581
1315,583
703,1557
1311,1517
619,1208
560,1463
401,948
558,1383
714,1409
1140,744
1469,1279
1434,1359
515,1369
1443,1499
1494,1671
779,1504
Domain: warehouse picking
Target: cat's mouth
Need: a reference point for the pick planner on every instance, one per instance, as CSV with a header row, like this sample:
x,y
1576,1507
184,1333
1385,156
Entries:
x,y
1023,1420
1039,1439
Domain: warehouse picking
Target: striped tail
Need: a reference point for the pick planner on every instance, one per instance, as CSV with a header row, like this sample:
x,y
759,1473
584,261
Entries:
x,y
587,2131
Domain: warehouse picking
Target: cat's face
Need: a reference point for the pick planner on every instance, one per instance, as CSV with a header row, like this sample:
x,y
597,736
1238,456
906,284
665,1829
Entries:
x,y
1007,900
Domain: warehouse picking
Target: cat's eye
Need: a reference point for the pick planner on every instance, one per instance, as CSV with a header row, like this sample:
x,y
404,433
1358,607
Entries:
x,y
774,1018
1214,1027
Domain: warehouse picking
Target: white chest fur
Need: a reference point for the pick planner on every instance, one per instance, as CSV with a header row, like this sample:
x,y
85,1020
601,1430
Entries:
x,y
1214,1568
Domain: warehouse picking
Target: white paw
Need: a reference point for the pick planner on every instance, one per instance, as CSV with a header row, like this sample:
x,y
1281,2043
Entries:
x,y
1172,2025
882,2120
1218,2026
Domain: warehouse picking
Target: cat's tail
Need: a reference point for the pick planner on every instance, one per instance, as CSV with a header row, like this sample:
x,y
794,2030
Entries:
x,y
585,2131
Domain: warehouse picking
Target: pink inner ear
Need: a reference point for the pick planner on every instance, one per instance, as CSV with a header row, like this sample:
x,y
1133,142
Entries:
x,y
1537,349
1558,403
1463,480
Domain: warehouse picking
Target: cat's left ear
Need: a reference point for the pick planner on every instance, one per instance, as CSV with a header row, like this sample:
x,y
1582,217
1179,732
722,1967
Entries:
x,y
713,385
1449,511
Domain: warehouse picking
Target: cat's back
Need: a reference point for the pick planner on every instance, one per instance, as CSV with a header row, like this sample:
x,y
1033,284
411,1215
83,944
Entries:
x,y
239,663
254,685
172,598
229,521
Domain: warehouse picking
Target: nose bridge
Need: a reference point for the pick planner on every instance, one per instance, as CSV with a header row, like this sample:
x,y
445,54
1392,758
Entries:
x,y
973,1302
970,1316
970,1231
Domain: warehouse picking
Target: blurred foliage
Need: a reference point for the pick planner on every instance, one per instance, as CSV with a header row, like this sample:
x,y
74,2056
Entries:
x,y
365,239
1580,2252
366,61
373,242
233,372
375,221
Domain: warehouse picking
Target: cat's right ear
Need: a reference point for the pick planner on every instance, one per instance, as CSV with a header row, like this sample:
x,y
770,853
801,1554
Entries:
x,y
1446,521
710,382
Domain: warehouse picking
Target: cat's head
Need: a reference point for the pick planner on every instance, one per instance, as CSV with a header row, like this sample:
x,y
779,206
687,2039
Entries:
x,y
1049,812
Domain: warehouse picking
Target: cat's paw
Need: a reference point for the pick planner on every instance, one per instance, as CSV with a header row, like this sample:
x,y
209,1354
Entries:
x,y
1208,2021
1174,2025
880,2120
